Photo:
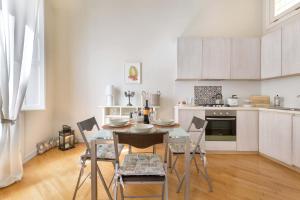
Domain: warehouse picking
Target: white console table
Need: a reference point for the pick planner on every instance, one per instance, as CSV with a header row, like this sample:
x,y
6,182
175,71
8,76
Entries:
x,y
109,112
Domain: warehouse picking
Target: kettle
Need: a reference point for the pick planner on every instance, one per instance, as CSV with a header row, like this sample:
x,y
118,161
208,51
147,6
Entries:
x,y
219,98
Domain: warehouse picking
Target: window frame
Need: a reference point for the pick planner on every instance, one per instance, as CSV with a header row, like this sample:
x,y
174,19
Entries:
x,y
39,62
273,20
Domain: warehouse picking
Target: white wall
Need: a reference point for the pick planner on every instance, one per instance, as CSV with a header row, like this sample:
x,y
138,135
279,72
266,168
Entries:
x,y
288,88
219,18
244,89
96,38
89,41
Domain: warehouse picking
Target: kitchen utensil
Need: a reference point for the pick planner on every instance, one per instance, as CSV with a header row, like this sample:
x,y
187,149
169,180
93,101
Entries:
x,y
260,101
247,103
219,98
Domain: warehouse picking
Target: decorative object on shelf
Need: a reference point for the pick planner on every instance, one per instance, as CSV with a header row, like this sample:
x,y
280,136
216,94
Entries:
x,y
42,147
155,99
129,94
144,96
206,94
66,138
109,92
132,72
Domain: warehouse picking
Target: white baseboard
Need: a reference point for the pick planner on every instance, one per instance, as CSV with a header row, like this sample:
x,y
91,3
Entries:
x,y
29,156
220,146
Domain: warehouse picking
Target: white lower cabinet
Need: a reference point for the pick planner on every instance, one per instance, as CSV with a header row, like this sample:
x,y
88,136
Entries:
x,y
247,131
275,135
185,116
296,141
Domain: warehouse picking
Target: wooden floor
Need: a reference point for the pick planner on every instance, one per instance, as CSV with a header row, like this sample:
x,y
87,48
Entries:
x,y
53,176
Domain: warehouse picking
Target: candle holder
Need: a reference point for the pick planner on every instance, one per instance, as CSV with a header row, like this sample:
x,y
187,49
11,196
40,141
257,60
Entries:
x,y
129,94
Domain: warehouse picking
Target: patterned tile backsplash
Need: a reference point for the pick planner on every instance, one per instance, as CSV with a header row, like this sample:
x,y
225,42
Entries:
x,y
205,94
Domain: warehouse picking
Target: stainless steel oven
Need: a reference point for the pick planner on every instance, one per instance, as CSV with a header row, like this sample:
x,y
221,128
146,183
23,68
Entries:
x,y
221,125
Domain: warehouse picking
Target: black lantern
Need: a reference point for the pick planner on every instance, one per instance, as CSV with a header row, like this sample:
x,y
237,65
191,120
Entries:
x,y
66,138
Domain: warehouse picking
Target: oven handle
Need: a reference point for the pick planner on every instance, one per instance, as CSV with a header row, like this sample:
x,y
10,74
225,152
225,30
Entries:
x,y
221,119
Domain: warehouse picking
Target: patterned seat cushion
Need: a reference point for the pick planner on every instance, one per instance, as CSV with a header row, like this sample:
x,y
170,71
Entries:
x,y
142,164
180,148
107,151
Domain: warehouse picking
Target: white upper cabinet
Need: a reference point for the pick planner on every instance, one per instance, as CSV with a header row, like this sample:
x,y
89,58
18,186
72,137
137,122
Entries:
x,y
189,58
35,93
271,55
247,131
291,48
296,141
216,58
245,58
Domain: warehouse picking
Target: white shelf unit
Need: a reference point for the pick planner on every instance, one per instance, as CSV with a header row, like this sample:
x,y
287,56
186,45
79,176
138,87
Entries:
x,y
123,112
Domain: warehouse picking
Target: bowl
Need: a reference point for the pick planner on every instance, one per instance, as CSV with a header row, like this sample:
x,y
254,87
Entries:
x,y
141,128
118,122
164,122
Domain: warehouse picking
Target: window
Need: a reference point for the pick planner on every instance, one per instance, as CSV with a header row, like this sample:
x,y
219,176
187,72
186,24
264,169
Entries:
x,y
35,94
280,6
282,9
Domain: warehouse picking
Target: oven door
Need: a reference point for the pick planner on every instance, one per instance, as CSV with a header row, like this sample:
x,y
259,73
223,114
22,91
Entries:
x,y
220,128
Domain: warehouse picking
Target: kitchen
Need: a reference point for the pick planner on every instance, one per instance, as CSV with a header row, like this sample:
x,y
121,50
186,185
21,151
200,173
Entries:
x,y
256,123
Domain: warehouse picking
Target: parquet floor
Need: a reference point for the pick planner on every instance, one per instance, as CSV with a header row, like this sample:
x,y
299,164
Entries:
x,y
53,176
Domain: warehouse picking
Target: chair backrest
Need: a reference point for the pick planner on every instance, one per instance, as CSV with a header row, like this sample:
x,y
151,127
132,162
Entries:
x,y
87,125
200,125
141,141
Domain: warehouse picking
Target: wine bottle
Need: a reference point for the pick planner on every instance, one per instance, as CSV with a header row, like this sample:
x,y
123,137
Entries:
x,y
146,113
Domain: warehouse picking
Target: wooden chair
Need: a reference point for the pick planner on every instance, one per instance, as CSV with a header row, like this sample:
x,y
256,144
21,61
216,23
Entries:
x,y
105,152
179,149
153,170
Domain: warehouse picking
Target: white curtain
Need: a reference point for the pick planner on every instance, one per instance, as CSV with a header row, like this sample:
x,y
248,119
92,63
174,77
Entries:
x,y
17,26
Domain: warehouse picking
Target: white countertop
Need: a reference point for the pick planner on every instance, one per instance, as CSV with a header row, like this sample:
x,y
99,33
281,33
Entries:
x,y
190,107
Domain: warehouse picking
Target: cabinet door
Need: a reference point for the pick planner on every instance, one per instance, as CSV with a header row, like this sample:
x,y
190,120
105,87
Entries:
x,y
216,58
245,58
247,130
275,135
291,48
271,55
264,133
185,116
296,140
282,126
189,58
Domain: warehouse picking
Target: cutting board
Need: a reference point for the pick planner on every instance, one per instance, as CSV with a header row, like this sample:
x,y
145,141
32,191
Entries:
x,y
260,101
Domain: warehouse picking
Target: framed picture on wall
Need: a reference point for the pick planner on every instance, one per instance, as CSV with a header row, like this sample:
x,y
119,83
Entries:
x,y
132,73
